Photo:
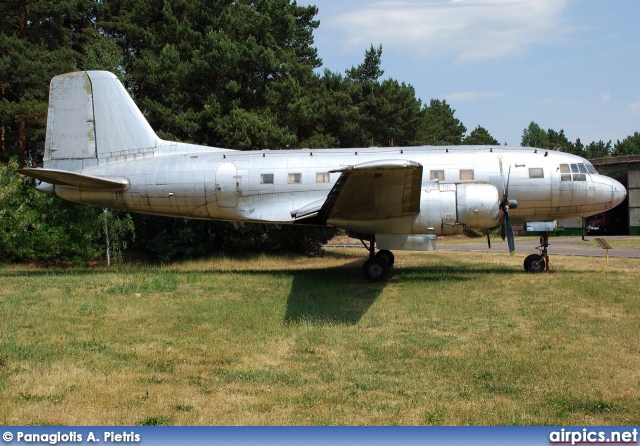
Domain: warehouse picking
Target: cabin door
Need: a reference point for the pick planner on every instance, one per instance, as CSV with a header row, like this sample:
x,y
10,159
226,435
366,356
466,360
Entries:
x,y
227,186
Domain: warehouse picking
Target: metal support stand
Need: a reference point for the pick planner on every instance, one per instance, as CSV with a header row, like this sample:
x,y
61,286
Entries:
x,y
606,246
106,236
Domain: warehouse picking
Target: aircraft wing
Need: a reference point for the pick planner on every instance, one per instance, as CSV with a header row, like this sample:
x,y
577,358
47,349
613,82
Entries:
x,y
374,190
64,178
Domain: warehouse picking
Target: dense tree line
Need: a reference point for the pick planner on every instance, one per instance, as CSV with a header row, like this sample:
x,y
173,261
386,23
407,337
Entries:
x,y
536,136
239,74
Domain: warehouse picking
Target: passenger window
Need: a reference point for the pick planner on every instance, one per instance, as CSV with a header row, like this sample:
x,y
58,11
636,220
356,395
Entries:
x,y
266,178
437,175
536,172
466,174
294,178
565,172
322,177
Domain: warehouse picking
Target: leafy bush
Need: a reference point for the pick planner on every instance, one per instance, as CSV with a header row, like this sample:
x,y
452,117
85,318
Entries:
x,y
175,238
37,226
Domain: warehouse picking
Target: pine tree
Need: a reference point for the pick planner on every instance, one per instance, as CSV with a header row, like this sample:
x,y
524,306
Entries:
x,y
438,125
38,40
478,137
628,146
535,136
219,73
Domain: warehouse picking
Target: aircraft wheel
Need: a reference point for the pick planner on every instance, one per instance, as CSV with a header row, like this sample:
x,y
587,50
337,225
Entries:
x,y
375,269
387,256
534,263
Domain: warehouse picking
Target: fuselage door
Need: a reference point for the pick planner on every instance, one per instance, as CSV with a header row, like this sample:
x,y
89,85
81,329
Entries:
x,y
227,185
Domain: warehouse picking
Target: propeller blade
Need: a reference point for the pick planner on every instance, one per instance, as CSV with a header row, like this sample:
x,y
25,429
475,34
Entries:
x,y
510,239
489,238
506,230
506,188
501,175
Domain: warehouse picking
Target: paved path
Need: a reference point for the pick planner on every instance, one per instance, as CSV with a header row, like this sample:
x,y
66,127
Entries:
x,y
570,246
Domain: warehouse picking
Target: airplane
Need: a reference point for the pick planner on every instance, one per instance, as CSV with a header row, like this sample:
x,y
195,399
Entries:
x,y
100,150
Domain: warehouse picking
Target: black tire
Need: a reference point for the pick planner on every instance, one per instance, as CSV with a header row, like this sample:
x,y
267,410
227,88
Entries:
x,y
387,256
535,263
375,269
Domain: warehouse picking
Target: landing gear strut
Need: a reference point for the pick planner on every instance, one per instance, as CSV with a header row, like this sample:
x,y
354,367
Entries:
x,y
376,267
537,263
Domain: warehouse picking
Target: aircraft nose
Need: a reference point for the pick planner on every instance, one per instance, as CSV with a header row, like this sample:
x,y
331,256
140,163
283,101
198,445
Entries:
x,y
618,192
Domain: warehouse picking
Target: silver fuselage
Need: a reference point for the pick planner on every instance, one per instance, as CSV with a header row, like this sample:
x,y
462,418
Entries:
x,y
270,186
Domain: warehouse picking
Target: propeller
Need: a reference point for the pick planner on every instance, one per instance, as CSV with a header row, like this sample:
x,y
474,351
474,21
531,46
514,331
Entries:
x,y
506,230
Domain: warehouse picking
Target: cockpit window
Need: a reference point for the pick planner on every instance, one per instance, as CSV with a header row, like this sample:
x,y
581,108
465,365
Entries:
x,y
590,168
573,172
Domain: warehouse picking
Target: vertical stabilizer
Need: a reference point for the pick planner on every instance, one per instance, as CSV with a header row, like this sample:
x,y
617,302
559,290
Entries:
x,y
91,116
121,129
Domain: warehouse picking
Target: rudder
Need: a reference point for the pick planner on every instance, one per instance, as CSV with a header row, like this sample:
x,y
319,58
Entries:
x,y
91,116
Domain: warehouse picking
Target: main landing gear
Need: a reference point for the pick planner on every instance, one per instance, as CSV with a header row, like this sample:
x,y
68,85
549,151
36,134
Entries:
x,y
537,263
376,267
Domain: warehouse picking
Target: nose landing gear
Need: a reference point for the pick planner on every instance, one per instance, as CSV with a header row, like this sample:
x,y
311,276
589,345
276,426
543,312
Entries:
x,y
537,263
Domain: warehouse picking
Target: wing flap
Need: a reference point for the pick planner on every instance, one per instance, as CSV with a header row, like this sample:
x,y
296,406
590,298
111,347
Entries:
x,y
375,190
73,179
309,211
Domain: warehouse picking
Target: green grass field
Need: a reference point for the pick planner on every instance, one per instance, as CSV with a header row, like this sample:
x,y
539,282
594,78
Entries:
x,y
451,338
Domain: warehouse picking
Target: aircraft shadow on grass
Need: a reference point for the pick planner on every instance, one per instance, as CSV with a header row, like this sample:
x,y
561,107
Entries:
x,y
337,296
330,295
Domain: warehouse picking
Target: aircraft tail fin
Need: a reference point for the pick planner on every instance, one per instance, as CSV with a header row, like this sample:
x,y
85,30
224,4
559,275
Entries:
x,y
91,117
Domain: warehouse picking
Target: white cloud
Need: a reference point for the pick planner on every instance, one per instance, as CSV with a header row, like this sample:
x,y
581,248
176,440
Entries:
x,y
634,107
605,97
467,96
554,102
466,29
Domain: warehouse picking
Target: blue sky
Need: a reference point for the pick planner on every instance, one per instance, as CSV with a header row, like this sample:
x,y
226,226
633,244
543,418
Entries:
x,y
565,64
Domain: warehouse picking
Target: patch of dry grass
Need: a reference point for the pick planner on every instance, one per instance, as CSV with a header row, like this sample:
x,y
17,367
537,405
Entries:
x,y
449,339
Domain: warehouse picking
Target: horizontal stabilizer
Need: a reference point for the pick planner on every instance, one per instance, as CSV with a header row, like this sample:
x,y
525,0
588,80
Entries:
x,y
64,178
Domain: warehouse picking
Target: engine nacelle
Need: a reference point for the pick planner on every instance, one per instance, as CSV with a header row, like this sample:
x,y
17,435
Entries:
x,y
447,209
